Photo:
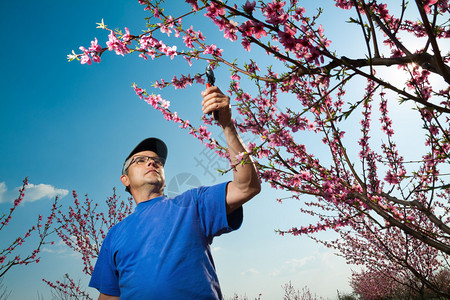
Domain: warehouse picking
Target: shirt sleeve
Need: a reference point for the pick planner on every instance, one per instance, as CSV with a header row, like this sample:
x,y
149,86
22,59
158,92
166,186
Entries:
x,y
105,277
212,211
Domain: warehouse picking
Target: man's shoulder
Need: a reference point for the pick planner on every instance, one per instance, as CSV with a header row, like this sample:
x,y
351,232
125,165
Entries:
x,y
195,196
219,187
198,191
204,188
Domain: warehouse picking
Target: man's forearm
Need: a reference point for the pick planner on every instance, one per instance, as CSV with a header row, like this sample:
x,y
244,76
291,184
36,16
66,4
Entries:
x,y
245,175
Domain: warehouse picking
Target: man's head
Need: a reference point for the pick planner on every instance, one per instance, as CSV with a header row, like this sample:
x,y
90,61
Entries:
x,y
145,164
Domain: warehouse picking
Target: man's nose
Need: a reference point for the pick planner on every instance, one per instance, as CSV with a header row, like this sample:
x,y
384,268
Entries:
x,y
151,162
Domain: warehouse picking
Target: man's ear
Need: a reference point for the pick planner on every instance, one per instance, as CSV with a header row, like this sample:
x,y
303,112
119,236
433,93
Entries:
x,y
125,180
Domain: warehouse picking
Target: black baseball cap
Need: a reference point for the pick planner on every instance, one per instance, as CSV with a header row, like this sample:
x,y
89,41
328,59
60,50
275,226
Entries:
x,y
149,144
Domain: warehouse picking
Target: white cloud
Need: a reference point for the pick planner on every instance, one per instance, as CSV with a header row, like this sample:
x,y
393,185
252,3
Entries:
x,y
55,251
61,250
292,266
275,273
3,190
32,192
251,271
40,191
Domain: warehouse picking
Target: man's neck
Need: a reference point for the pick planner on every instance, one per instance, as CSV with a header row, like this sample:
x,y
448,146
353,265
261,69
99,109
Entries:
x,y
142,196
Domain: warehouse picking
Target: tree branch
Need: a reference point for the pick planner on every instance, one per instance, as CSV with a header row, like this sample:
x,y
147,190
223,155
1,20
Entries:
x,y
441,225
424,238
437,53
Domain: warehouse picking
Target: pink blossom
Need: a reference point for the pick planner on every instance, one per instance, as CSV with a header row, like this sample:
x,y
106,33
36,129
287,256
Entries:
x,y
249,7
138,91
204,132
165,104
391,178
287,38
258,29
427,5
246,28
434,130
161,85
95,47
143,56
214,10
164,28
299,11
212,49
274,12
311,125
85,58
171,51
185,124
153,100
246,44
115,44
306,175
188,41
199,79
235,76
176,118
230,31
126,38
193,3
345,4
182,82
239,156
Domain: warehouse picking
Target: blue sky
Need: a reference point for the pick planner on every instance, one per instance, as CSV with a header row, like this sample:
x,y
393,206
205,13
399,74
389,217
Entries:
x,y
69,126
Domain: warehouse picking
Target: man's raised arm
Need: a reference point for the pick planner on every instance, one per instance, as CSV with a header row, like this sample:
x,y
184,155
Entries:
x,y
246,183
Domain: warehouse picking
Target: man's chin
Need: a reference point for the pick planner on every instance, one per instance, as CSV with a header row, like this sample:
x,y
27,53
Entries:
x,y
155,182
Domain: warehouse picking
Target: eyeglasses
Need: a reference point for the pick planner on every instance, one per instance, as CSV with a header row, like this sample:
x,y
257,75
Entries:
x,y
143,160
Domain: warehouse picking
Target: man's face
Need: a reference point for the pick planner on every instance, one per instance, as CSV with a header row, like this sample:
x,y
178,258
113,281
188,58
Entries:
x,y
141,174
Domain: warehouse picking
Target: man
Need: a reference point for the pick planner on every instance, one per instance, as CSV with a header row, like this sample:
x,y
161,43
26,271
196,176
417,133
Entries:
x,y
162,250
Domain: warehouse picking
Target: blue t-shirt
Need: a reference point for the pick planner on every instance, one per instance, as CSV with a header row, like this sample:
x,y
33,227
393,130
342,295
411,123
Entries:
x,y
162,250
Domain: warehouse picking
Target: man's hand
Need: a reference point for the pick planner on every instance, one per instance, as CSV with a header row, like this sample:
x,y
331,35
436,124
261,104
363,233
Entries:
x,y
215,100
